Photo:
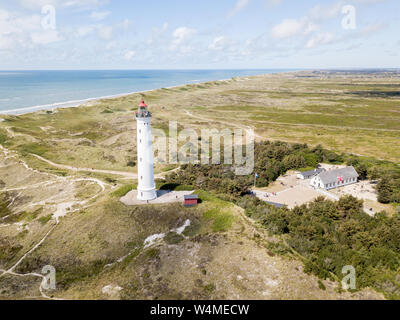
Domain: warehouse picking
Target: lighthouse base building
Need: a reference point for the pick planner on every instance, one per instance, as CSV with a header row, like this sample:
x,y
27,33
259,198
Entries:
x,y
146,190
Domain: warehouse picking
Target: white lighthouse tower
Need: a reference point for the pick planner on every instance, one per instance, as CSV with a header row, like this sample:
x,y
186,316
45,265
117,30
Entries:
x,y
146,185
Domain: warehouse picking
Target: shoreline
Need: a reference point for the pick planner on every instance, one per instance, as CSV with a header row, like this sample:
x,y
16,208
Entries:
x,y
86,102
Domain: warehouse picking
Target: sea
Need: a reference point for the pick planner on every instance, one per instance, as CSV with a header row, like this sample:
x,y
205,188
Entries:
x,y
29,91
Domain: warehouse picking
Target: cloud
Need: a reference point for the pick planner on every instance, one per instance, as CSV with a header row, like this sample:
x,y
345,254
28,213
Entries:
x,y
125,24
331,11
157,34
85,31
99,15
37,4
45,37
240,5
371,29
220,44
129,55
105,32
273,2
321,38
24,31
293,27
84,3
182,34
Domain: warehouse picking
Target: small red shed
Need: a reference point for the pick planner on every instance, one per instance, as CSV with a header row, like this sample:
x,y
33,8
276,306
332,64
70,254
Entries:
x,y
191,200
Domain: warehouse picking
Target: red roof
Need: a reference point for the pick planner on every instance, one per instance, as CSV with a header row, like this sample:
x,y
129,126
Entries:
x,y
142,104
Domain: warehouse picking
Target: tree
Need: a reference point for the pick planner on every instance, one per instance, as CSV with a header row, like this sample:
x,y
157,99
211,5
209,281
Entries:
x,y
384,189
362,170
294,161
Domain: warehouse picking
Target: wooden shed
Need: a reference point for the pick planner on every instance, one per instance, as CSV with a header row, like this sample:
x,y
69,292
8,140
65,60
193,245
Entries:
x,y
191,200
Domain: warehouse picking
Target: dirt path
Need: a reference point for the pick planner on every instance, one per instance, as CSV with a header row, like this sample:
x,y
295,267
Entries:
x,y
125,175
246,128
60,211
129,175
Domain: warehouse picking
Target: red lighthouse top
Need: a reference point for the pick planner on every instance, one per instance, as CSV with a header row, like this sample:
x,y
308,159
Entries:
x,y
142,104
143,112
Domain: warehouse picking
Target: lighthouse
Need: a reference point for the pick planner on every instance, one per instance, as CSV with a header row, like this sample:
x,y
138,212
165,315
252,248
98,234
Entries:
x,y
146,185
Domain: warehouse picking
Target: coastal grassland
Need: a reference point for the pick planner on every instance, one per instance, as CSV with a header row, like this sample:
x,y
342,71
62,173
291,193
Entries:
x,y
104,246
345,112
98,237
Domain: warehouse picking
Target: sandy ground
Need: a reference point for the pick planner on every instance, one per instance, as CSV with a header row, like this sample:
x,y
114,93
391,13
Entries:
x,y
361,190
292,197
163,197
291,191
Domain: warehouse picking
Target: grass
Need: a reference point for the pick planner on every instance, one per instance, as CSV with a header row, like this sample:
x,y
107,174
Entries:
x,y
222,221
345,115
3,137
43,220
122,191
4,203
34,148
218,213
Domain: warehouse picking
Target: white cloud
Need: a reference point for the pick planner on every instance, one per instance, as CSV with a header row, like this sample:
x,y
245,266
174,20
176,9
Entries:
x,y
24,31
293,27
371,29
129,55
157,34
45,37
105,32
331,11
85,31
37,4
220,44
240,5
99,15
183,34
320,39
84,3
125,24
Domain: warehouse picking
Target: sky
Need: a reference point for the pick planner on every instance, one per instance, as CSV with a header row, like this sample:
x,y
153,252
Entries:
x,y
202,34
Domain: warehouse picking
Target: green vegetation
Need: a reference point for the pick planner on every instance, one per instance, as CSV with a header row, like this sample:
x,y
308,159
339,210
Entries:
x,y
218,212
43,220
330,235
8,249
122,191
273,159
173,238
3,137
4,203
34,148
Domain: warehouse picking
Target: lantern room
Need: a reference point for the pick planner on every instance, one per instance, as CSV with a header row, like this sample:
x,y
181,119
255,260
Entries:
x,y
143,112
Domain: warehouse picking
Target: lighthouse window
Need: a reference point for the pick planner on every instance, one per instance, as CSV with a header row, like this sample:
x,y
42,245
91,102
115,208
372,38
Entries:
x,y
140,130
141,178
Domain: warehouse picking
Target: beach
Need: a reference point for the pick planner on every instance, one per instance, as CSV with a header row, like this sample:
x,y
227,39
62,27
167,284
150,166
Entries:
x,y
30,91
